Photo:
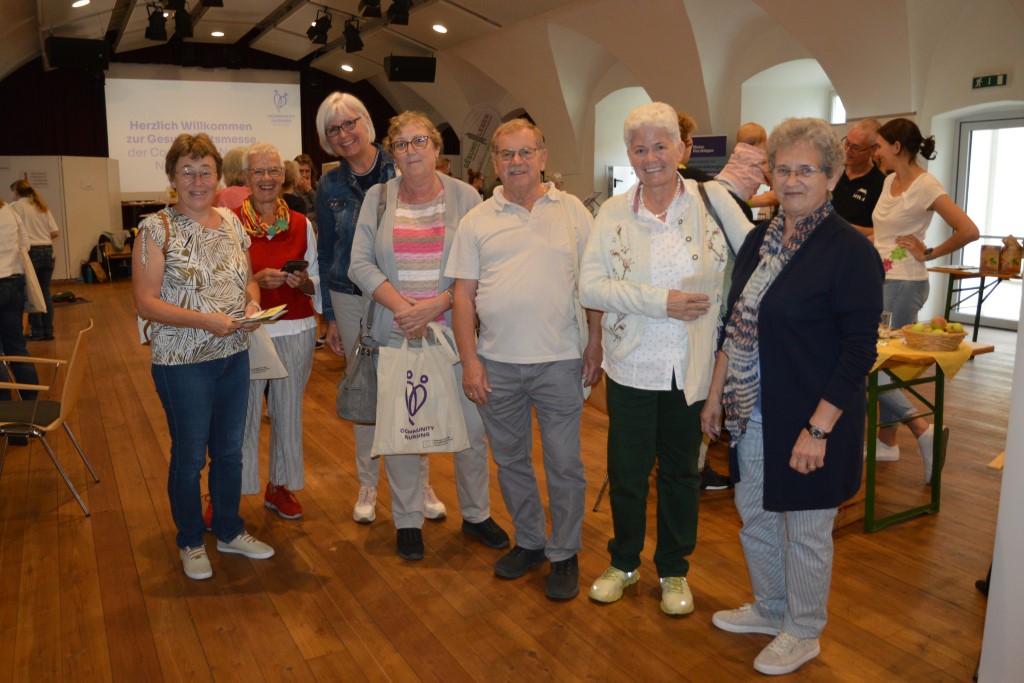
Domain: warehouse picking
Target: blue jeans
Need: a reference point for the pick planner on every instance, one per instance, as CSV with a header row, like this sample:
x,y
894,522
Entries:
x,y
12,335
905,298
42,263
205,405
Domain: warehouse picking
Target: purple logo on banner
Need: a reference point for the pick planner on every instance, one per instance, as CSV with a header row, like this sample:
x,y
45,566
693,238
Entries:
x,y
415,395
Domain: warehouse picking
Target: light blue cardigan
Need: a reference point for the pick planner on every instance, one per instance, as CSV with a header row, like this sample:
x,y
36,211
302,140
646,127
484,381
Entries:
x,y
373,247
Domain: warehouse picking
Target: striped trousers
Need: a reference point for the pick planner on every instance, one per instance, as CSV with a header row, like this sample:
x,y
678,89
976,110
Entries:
x,y
789,554
284,406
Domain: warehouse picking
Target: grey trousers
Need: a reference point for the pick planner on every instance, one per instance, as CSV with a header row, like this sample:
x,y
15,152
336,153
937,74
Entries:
x,y
348,314
556,391
789,554
407,477
284,405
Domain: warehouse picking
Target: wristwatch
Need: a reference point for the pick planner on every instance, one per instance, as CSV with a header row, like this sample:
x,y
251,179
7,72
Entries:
x,y
928,252
816,432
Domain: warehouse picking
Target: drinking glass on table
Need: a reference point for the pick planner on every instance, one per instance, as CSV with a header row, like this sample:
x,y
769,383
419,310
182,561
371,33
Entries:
x,y
885,325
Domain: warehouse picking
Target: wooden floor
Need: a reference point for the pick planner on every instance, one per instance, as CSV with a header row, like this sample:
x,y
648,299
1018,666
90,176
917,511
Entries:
x,y
104,597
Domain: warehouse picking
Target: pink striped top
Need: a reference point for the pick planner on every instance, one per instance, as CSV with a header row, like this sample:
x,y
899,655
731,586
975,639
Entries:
x,y
418,237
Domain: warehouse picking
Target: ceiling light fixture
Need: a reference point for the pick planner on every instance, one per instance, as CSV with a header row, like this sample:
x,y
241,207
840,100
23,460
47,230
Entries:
x,y
217,34
157,29
182,24
440,28
398,13
353,43
347,67
80,3
317,33
369,8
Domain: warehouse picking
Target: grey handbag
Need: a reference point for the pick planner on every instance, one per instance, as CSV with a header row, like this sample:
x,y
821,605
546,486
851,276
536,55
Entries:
x,y
357,389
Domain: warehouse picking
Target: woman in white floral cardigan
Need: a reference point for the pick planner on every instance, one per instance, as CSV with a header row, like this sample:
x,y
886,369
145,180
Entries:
x,y
655,264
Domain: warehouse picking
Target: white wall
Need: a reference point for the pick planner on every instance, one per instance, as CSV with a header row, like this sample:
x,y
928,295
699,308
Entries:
x,y
609,148
770,105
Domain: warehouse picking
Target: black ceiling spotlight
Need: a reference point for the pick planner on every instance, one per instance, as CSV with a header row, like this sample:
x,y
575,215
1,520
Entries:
x,y
157,29
369,8
398,13
182,24
317,33
353,43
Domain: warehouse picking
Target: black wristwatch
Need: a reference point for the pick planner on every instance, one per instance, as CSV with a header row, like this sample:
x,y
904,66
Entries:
x,y
928,252
816,432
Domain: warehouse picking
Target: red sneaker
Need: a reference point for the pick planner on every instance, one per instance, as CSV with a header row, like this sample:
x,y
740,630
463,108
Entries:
x,y
282,501
208,512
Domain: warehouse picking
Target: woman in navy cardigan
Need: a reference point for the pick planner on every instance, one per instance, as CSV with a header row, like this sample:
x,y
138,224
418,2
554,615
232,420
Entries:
x,y
800,336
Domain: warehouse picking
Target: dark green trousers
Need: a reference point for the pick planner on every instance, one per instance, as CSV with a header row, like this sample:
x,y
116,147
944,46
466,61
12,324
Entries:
x,y
645,426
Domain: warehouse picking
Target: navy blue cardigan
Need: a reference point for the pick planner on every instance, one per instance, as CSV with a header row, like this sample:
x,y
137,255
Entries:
x,y
817,327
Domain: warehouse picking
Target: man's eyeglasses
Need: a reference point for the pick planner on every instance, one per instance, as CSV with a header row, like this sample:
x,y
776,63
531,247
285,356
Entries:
x,y
418,142
346,126
273,172
526,153
857,149
783,172
190,174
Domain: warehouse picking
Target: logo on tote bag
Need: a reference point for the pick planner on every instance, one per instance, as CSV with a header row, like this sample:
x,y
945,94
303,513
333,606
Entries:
x,y
415,394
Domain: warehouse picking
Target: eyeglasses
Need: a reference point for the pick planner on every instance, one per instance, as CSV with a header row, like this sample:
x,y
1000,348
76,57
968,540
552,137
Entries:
x,y
346,126
418,142
526,153
190,174
273,172
783,172
857,149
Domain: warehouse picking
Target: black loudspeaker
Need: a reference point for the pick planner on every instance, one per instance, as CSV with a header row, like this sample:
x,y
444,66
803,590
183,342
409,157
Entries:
x,y
411,69
77,53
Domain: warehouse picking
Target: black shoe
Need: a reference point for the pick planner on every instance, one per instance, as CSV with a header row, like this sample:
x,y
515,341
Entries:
x,y
410,544
17,440
488,531
982,586
713,481
518,561
40,337
564,580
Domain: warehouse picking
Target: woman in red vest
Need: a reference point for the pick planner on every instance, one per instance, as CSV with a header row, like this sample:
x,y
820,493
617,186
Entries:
x,y
279,235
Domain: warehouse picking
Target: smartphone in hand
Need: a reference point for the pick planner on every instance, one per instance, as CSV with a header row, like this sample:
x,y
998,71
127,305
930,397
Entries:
x,y
295,266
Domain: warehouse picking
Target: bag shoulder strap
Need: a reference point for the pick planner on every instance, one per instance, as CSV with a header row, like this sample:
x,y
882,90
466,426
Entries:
x,y
167,231
714,215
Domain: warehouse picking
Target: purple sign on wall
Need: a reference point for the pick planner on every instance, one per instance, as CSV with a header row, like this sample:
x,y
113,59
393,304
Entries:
x,y
709,153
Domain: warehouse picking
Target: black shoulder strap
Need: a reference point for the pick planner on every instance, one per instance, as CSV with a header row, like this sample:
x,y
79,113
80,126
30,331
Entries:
x,y
714,214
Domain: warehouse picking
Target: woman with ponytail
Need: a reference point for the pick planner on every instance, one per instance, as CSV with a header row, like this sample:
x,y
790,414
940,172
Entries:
x,y
41,230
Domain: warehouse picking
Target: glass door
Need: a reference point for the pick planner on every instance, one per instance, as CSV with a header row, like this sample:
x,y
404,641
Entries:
x,y
989,183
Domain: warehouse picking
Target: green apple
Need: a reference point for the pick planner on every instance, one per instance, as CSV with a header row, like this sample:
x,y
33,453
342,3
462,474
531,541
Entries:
x,y
938,331
919,327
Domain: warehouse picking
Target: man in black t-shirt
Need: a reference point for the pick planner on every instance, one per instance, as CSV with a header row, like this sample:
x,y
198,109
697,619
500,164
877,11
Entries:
x,y
860,186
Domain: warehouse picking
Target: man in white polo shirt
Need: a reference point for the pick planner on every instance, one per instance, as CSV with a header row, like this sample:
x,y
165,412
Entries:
x,y
515,260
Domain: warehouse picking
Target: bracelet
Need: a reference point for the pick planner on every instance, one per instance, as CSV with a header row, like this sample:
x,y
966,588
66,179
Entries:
x,y
451,297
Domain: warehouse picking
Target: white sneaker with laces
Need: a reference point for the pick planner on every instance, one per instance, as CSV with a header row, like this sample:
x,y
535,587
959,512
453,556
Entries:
x,y
196,563
744,619
786,654
365,510
608,587
432,507
926,443
884,453
676,597
244,544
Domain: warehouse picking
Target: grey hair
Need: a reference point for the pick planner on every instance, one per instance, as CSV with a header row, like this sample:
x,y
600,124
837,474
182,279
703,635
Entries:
x,y
256,149
341,103
814,132
655,115
234,166
869,126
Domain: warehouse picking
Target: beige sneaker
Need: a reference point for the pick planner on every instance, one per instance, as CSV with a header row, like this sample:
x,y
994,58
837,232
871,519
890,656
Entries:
x,y
432,507
786,654
365,510
608,587
244,544
196,563
676,597
744,619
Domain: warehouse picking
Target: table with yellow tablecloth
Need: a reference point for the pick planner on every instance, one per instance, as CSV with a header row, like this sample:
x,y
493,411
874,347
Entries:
x,y
906,367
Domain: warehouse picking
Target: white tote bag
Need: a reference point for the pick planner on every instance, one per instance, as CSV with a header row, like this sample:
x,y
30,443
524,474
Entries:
x,y
418,407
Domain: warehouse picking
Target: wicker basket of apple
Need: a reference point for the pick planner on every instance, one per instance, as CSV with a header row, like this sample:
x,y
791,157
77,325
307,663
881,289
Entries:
x,y
937,335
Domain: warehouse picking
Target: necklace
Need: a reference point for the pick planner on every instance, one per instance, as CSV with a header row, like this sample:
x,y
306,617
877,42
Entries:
x,y
664,214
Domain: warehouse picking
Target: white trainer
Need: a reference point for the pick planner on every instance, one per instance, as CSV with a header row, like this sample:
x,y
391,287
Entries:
x,y
244,544
608,587
884,453
432,507
676,597
744,619
926,443
786,654
365,510
196,563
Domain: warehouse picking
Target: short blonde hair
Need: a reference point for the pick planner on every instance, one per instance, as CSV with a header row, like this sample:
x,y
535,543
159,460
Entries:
x,y
687,126
400,121
344,104
655,115
291,174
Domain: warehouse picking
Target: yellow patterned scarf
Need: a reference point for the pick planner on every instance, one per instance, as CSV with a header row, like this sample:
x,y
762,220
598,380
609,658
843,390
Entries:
x,y
256,227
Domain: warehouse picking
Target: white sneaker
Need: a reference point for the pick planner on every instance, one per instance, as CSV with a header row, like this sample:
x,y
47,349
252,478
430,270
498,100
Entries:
x,y
432,507
926,442
608,587
744,619
196,563
244,544
676,597
885,453
786,654
365,510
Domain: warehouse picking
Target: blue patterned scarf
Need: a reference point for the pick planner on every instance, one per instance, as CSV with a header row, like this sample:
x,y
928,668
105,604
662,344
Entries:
x,y
742,382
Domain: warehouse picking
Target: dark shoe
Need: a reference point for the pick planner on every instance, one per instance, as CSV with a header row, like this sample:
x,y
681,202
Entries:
x,y
982,586
410,544
40,337
518,561
488,531
22,441
564,580
713,481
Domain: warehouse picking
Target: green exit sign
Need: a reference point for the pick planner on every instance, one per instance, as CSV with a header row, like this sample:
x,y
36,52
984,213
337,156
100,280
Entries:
x,y
988,81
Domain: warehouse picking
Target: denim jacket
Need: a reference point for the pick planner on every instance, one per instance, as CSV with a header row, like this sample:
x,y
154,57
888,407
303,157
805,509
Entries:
x,y
338,199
